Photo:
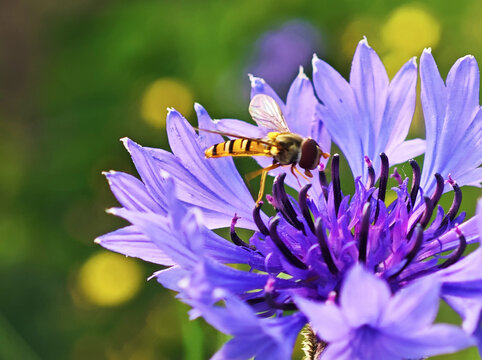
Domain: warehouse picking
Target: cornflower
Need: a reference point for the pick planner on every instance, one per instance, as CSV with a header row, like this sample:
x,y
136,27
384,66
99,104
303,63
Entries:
x,y
363,277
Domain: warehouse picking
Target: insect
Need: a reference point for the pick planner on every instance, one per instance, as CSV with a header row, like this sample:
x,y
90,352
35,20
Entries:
x,y
285,147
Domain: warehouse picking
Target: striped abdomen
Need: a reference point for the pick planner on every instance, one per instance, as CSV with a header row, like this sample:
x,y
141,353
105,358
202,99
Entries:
x,y
239,147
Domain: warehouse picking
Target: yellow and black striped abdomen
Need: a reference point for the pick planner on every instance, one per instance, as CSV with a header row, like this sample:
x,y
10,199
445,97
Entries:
x,y
239,147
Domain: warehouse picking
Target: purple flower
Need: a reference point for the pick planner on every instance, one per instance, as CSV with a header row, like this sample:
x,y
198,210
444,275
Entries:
x,y
371,323
369,115
278,52
367,276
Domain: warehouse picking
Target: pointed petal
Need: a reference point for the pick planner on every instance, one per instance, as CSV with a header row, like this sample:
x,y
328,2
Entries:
x,y
327,321
259,86
406,150
212,173
338,113
363,297
413,308
301,105
131,193
399,111
369,82
130,241
439,339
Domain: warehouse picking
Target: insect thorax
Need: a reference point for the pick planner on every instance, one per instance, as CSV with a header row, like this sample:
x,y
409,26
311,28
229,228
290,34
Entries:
x,y
288,150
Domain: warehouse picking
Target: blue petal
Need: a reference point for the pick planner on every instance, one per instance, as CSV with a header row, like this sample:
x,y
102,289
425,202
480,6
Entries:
x,y
338,112
369,115
253,336
369,82
412,309
131,193
153,164
326,320
363,297
130,241
218,175
259,86
436,340
398,116
453,122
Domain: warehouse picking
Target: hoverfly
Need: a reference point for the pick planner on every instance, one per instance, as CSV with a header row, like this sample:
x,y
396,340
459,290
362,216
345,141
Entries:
x,y
285,147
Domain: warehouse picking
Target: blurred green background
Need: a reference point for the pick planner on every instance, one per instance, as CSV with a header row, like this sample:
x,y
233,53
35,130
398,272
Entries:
x,y
76,76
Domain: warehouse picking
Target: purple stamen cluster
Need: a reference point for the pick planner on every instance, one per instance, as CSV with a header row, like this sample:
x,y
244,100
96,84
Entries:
x,y
334,240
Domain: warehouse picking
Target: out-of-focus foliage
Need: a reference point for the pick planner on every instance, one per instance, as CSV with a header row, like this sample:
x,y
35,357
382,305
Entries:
x,y
76,76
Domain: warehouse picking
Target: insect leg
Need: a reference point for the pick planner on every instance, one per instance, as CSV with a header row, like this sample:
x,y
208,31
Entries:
x,y
263,180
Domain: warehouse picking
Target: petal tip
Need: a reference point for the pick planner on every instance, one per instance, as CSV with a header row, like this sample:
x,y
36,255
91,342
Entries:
x,y
112,211
97,241
127,143
364,42
301,73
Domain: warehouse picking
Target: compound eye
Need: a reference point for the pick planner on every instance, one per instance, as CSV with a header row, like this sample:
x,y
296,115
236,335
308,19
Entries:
x,y
310,154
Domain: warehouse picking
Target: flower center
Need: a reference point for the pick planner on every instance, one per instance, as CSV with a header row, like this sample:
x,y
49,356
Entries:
x,y
321,235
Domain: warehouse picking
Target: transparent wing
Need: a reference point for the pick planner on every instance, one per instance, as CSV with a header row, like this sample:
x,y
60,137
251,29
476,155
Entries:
x,y
266,112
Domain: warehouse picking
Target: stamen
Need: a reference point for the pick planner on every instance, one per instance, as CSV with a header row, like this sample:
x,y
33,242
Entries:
x,y
363,234
413,251
325,251
234,237
335,179
257,219
382,188
438,190
284,204
323,181
415,182
397,177
427,214
269,295
371,173
454,209
282,246
456,255
302,200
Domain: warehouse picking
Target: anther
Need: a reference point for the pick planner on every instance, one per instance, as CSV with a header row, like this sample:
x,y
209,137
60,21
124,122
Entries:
x,y
382,188
335,179
302,201
234,237
454,209
413,251
371,173
438,190
325,250
363,234
284,204
415,182
427,214
257,219
282,246
269,296
323,181
397,177
456,255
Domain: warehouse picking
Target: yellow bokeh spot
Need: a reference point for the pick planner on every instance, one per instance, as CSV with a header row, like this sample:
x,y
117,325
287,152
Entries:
x,y
108,279
409,29
160,95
